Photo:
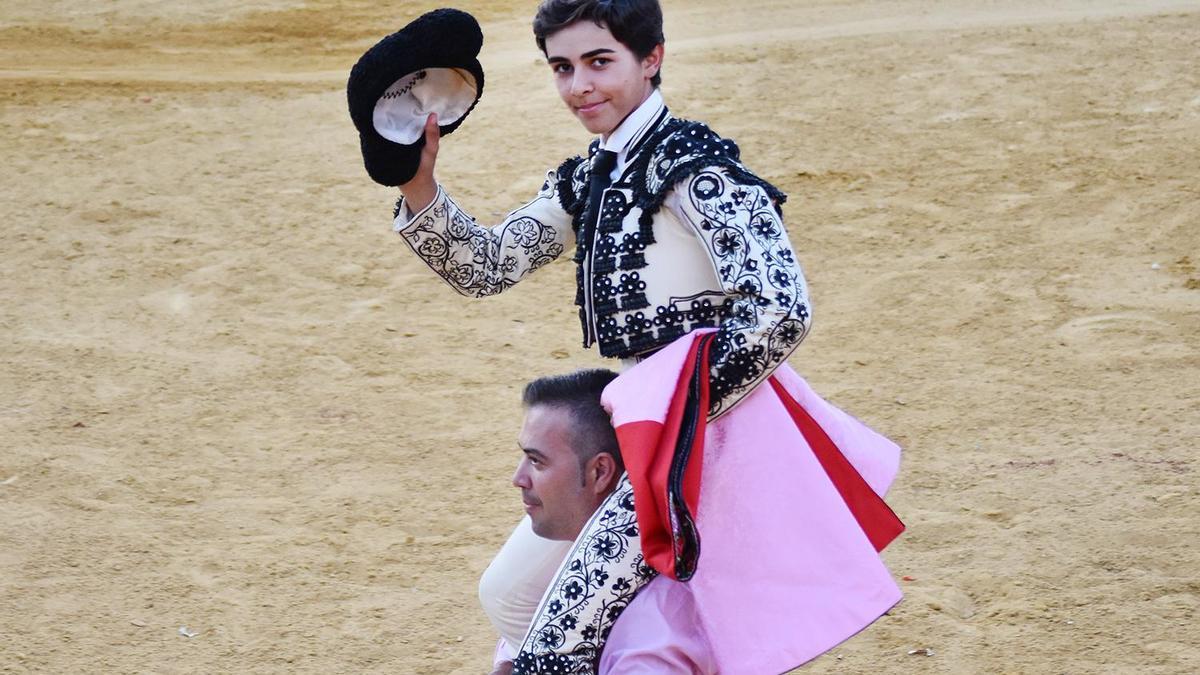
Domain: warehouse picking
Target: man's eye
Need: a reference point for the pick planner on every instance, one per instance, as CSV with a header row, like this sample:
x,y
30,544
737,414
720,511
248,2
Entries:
x,y
601,62
561,68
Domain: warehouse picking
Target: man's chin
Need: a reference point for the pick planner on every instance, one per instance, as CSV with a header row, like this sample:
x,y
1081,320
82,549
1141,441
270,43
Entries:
x,y
545,530
541,531
534,513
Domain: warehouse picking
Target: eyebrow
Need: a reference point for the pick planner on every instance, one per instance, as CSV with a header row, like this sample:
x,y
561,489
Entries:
x,y
535,452
585,55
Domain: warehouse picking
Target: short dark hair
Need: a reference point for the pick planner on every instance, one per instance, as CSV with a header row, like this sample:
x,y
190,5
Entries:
x,y
579,393
637,24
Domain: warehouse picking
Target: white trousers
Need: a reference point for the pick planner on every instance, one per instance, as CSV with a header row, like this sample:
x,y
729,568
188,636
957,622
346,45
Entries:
x,y
513,584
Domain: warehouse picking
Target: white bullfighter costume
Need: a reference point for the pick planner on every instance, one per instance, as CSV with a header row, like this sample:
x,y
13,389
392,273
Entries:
x,y
676,236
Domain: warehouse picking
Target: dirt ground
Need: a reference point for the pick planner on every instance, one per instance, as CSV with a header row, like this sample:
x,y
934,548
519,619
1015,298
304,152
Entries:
x,y
231,400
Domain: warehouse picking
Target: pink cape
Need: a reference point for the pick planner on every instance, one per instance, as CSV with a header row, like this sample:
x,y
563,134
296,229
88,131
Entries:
x,y
788,564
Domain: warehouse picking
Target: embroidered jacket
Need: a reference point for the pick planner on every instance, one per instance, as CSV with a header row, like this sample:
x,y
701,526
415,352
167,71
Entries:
x,y
687,237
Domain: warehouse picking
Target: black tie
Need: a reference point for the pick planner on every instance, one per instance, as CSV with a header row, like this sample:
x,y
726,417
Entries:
x,y
602,166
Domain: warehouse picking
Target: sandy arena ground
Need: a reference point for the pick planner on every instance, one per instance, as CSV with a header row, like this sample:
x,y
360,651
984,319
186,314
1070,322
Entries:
x,y
232,400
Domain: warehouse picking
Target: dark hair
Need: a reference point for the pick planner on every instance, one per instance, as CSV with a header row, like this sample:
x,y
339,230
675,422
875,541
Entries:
x,y
579,393
637,24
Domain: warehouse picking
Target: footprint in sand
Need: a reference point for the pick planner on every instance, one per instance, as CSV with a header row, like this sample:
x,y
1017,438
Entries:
x,y
1121,331
1110,323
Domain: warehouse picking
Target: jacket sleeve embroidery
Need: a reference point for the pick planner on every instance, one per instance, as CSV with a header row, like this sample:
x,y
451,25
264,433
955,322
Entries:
x,y
740,226
688,147
478,261
602,573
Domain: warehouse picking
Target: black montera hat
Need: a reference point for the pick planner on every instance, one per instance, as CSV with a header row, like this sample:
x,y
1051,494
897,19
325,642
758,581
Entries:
x,y
430,65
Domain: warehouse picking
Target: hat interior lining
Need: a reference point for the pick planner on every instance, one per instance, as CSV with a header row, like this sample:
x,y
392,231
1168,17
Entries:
x,y
401,112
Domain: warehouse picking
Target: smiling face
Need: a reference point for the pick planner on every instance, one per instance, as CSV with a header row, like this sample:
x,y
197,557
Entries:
x,y
599,78
559,495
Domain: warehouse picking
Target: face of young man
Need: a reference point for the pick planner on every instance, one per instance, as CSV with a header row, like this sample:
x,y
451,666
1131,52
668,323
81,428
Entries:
x,y
558,496
599,79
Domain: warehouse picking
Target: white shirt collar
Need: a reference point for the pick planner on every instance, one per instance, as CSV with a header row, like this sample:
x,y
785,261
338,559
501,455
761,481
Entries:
x,y
629,132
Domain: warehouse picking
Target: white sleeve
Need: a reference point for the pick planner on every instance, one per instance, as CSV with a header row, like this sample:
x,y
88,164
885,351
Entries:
x,y
478,261
740,227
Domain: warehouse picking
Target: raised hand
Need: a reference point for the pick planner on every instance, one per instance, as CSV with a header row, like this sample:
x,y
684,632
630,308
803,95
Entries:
x,y
422,189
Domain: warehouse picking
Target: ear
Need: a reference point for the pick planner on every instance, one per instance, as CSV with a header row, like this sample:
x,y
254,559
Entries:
x,y
602,470
653,62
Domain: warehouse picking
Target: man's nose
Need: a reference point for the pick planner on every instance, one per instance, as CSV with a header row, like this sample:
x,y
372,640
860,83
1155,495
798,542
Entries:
x,y
581,82
520,477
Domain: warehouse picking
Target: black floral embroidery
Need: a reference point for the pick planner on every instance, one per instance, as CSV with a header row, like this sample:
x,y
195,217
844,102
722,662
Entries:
x,y
585,600
526,232
478,261
685,149
737,215
678,150
728,243
766,315
434,247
